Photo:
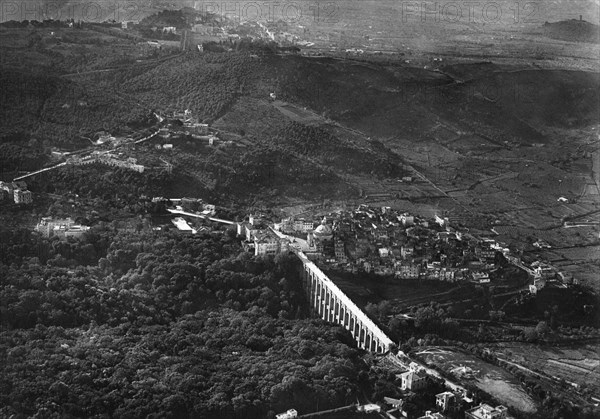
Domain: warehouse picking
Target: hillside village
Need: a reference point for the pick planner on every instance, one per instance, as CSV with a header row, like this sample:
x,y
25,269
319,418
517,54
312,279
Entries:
x,y
392,243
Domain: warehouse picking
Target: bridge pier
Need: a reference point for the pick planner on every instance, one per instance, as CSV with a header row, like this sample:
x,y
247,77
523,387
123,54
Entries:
x,y
332,305
361,336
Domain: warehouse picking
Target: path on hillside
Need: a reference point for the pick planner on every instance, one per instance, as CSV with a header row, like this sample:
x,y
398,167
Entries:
x,y
123,67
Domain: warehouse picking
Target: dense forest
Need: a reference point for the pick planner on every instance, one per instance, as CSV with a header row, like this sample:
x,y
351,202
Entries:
x,y
161,325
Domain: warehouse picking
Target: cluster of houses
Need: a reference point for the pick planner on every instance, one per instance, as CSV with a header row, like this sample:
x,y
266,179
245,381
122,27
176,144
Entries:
x,y
60,227
190,127
15,191
387,242
415,379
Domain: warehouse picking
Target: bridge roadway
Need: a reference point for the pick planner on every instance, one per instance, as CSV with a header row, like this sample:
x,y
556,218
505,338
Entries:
x,y
191,214
39,171
333,306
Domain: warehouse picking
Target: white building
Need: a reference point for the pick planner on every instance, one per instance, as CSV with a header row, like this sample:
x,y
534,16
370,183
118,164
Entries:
x,y
303,225
22,197
289,414
49,227
17,191
441,221
183,226
407,220
266,243
485,411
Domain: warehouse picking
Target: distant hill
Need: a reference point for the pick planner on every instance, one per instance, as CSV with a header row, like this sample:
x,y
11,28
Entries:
x,y
573,30
81,10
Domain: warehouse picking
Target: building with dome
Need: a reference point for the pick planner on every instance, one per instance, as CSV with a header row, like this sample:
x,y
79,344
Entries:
x,y
322,238
323,231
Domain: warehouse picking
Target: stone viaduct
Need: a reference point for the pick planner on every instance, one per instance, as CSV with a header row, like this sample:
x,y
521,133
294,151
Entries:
x,y
332,305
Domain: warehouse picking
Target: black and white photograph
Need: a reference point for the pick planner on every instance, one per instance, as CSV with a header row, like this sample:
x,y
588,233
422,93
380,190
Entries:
x,y
311,209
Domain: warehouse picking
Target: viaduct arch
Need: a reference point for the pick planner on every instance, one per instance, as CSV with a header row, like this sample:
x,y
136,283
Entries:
x,y
332,305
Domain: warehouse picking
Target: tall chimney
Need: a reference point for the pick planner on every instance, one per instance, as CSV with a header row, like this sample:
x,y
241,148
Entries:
x,y
580,17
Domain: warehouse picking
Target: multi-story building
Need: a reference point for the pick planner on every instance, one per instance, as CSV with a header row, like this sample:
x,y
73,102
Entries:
x,y
447,274
432,273
544,271
407,270
407,251
485,411
302,225
445,400
75,231
266,243
485,253
49,227
412,381
17,191
22,197
250,231
340,252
